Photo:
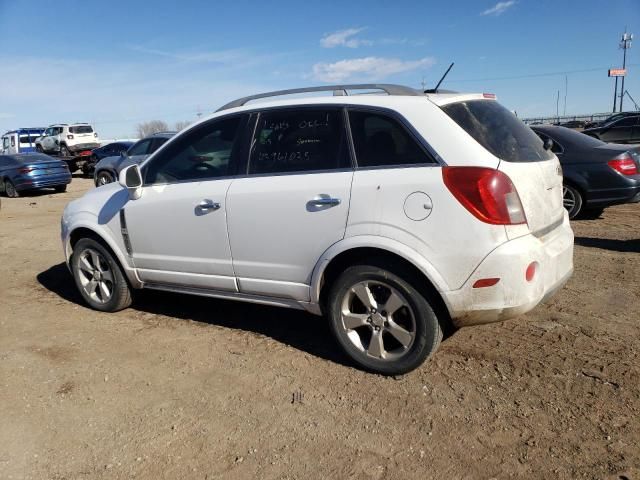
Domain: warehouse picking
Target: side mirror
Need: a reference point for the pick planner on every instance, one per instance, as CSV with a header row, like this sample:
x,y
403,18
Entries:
x,y
548,144
131,179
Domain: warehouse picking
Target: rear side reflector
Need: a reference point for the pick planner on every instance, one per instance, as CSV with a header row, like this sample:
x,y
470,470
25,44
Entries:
x,y
488,194
624,164
530,273
485,282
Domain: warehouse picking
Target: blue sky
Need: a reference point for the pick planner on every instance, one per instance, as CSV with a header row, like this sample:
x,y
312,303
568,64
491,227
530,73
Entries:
x,y
119,63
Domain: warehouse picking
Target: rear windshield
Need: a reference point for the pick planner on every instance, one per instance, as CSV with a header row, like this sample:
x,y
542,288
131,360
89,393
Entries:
x,y
498,130
81,129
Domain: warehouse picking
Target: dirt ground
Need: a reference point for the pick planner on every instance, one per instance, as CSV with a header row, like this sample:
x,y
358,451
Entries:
x,y
187,387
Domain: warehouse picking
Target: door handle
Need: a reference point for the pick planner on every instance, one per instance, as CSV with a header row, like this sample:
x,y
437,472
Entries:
x,y
206,206
324,200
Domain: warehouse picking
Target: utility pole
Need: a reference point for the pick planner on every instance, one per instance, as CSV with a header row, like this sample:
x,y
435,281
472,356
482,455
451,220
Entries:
x,y
625,44
557,104
566,86
615,96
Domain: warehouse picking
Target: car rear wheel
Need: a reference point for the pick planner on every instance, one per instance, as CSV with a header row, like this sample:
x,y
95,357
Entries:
x,y
381,321
99,277
39,148
572,200
103,178
64,151
10,189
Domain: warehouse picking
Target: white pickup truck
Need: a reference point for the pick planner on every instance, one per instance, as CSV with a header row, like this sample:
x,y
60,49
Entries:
x,y
67,140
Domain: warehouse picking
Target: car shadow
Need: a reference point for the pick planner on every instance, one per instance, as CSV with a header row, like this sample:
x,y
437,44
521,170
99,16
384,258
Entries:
x,y
298,329
626,246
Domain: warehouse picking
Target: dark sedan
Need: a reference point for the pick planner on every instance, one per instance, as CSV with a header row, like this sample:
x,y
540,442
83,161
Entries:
x,y
622,129
107,169
108,150
31,171
596,175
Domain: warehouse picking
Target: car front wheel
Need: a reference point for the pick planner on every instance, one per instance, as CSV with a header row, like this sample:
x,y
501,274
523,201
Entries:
x,y
572,200
103,178
381,320
99,277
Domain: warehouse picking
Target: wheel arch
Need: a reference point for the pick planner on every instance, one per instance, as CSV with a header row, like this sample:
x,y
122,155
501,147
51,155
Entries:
x,y
84,231
352,252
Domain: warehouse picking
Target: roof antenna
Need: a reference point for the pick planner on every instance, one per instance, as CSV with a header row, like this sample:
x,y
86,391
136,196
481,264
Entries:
x,y
435,90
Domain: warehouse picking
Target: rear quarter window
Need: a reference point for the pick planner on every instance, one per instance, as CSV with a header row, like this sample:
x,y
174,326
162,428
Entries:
x,y
81,129
498,130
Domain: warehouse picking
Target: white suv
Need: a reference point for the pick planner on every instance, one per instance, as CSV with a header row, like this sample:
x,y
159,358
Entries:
x,y
67,139
394,215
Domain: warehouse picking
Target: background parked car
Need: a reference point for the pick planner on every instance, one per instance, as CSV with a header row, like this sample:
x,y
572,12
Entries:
x,y
615,116
30,171
67,139
108,150
596,174
625,129
574,124
107,169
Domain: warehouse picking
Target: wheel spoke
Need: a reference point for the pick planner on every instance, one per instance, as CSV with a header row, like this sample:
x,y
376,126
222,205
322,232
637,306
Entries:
x,y
363,292
107,275
90,288
394,302
85,265
399,333
376,345
104,291
96,260
352,320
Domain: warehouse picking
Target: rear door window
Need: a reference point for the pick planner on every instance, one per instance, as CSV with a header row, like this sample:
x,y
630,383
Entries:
x,y
380,140
498,130
299,140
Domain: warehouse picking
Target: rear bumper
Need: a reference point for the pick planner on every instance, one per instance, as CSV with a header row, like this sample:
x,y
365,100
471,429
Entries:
x,y
613,196
513,295
83,146
49,181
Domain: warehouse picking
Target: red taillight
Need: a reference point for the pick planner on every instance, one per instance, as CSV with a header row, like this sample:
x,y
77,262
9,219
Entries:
x,y
624,164
485,282
492,96
488,194
26,170
530,272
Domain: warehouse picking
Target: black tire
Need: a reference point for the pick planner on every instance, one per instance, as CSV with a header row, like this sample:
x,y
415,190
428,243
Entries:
x,y
64,151
103,178
10,189
591,213
120,292
572,200
416,316
60,188
39,149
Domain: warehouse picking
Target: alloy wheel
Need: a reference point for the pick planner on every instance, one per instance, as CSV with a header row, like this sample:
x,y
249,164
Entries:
x,y
95,276
378,320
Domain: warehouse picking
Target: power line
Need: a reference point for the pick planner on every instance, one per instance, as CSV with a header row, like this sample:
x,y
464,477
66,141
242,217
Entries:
x,y
535,75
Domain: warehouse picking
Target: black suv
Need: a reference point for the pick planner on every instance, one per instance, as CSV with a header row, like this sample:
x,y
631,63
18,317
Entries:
x,y
107,169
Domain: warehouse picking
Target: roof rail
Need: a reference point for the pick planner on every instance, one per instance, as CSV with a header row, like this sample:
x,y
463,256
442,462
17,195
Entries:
x,y
338,90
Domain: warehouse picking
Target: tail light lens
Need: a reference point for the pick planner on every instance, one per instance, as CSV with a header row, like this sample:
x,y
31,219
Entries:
x,y
488,194
95,134
70,137
624,164
24,170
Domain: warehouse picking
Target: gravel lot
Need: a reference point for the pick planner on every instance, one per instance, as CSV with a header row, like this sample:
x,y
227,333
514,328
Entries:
x,y
187,387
